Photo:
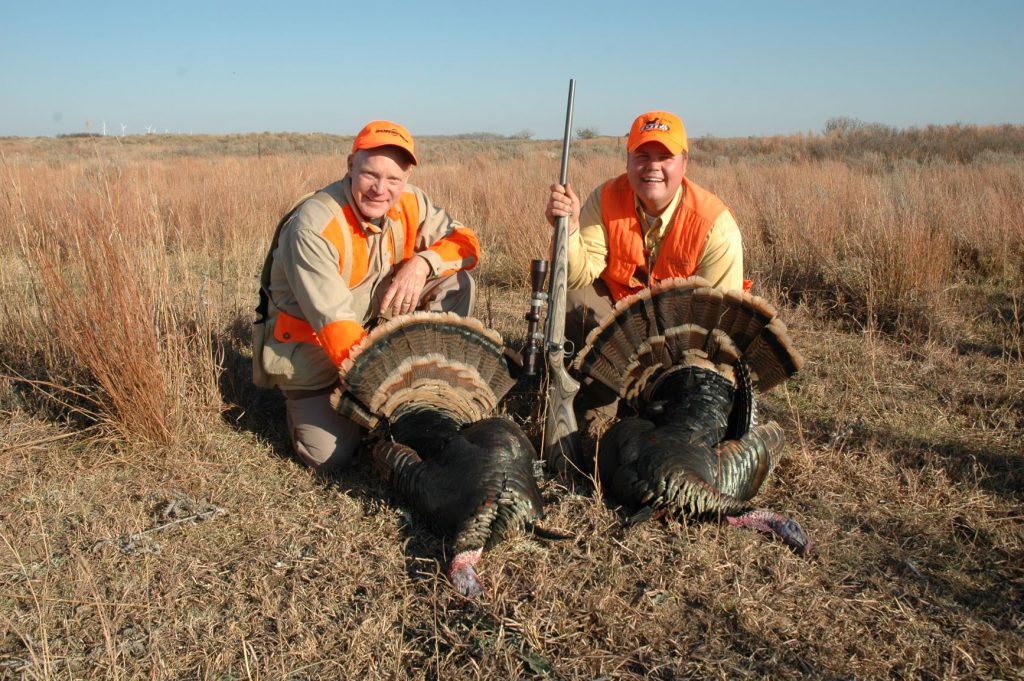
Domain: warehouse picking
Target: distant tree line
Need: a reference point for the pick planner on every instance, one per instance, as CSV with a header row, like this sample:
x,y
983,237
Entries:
x,y
845,139
852,140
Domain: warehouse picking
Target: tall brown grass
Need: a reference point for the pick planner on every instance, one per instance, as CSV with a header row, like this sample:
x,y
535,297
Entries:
x,y
880,250
125,270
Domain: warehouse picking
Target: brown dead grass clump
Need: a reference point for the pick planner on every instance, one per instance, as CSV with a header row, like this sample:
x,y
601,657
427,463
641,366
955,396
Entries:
x,y
155,525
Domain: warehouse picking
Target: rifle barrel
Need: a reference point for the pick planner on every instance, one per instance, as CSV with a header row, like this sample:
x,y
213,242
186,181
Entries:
x,y
567,135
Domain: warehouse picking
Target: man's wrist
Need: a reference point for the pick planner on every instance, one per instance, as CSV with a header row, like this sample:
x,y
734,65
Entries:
x,y
430,265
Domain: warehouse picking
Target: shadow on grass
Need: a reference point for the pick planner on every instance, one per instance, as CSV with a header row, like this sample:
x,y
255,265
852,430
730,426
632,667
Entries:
x,y
261,412
998,469
988,349
998,327
248,408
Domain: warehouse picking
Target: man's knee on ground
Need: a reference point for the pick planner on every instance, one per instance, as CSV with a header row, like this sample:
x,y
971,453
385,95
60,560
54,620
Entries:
x,y
322,438
323,451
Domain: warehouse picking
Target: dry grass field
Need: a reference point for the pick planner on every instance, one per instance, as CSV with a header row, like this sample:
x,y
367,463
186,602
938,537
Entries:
x,y
153,523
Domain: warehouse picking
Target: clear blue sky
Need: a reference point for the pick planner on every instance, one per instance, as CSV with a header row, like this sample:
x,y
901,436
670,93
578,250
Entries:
x,y
727,68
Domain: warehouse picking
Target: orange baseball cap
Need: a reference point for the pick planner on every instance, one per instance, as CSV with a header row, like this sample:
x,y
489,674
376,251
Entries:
x,y
385,134
658,126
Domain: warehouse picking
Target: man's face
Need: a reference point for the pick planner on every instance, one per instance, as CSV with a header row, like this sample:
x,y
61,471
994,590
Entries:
x,y
655,175
378,178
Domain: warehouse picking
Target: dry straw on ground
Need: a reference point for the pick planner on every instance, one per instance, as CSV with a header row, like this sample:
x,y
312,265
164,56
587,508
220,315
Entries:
x,y
155,525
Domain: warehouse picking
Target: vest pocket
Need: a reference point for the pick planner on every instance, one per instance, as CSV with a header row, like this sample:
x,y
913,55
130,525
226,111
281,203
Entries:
x,y
277,360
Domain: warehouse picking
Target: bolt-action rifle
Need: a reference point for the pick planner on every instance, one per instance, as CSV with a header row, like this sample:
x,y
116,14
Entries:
x,y
560,437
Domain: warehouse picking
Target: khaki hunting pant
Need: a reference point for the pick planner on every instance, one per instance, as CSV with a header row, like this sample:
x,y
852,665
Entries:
x,y
584,310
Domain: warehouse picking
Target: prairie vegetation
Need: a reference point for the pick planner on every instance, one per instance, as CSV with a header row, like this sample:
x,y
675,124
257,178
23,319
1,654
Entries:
x,y
155,524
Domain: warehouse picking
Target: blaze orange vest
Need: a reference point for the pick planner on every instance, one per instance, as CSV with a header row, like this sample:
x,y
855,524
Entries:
x,y
681,246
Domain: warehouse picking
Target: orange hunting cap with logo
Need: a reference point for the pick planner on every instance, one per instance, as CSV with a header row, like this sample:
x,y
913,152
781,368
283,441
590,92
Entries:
x,y
385,134
658,126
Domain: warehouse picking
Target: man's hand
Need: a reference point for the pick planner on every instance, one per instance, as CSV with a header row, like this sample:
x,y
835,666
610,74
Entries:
x,y
563,202
403,295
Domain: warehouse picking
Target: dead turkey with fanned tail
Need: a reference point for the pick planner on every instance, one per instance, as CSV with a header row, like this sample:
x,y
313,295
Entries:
x,y
426,384
687,358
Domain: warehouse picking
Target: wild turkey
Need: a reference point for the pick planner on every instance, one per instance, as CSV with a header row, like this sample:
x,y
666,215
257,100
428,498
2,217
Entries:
x,y
686,358
425,384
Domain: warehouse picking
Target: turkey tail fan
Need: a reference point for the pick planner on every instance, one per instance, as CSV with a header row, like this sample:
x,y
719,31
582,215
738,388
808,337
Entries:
x,y
682,340
440,358
613,343
744,316
450,387
418,371
637,319
747,328
386,345
707,307
674,300
346,405
744,464
771,356
421,333
686,322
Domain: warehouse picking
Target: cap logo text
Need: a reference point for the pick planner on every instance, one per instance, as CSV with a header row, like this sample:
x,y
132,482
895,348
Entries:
x,y
656,124
392,131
